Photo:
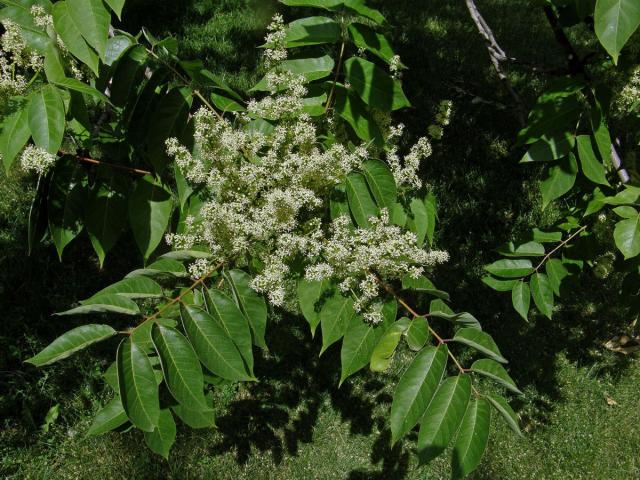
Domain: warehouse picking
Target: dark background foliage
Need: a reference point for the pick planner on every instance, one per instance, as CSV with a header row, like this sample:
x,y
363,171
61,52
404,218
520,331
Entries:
x,y
579,398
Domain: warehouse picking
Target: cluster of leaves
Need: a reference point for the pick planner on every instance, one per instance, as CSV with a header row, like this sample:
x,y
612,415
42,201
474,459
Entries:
x,y
569,127
187,338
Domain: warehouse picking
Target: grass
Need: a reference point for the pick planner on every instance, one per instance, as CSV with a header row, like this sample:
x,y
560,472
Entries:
x,y
295,423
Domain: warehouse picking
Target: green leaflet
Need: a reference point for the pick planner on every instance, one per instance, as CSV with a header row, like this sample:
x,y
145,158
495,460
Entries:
x,y
137,386
615,21
15,134
556,272
326,4
360,339
495,371
92,19
505,410
312,31
423,284
349,106
252,305
415,390
80,87
443,416
116,6
381,183
560,180
419,222
110,303
170,117
499,285
528,249
360,201
111,416
508,268
374,86
309,294
150,207
234,323
556,112
386,347
310,68
521,298
627,236
180,366
418,333
481,341
164,267
133,287
549,148
367,38
334,318
46,118
213,346
472,438
592,168
161,439
546,237
71,342
359,7
542,293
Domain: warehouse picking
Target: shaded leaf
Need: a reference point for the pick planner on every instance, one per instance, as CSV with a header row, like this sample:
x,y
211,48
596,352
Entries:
x,y
150,207
374,86
334,318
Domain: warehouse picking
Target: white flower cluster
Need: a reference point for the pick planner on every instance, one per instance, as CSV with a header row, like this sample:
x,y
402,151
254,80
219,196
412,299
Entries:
x,y
356,259
40,17
276,50
629,96
37,160
405,171
265,192
395,64
443,118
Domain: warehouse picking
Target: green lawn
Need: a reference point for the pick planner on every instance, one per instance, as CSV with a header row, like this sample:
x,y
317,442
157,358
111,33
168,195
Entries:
x,y
581,402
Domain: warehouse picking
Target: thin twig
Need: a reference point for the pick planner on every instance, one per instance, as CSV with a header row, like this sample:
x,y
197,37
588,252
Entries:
x,y
440,340
186,81
178,298
93,161
559,246
497,56
335,78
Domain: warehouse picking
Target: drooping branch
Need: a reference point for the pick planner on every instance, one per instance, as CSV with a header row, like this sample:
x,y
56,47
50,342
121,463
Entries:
x,y
497,56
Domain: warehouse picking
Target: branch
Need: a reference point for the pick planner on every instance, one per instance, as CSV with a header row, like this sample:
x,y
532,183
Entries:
x,y
616,161
93,161
497,56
